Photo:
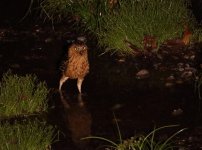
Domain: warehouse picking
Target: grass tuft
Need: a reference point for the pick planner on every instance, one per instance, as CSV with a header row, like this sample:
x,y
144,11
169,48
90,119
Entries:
x,y
142,142
22,95
130,20
161,19
27,135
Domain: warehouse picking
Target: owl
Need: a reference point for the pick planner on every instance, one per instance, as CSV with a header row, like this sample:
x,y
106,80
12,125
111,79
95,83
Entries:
x,y
77,65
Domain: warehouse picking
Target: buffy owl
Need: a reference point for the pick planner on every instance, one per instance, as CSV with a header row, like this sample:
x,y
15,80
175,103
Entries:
x,y
77,64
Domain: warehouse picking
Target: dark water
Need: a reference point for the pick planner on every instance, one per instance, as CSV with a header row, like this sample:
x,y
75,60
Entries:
x,y
110,88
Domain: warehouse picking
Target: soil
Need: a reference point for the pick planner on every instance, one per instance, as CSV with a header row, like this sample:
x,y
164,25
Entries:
x,y
139,93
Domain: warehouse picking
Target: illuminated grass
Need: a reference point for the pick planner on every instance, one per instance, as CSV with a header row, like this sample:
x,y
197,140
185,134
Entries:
x,y
22,95
27,135
129,20
162,19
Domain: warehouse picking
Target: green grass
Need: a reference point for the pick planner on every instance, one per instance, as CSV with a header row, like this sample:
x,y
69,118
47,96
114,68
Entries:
x,y
162,19
27,135
56,10
130,20
197,35
22,95
84,14
141,142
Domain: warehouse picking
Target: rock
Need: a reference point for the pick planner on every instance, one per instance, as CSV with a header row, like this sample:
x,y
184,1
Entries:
x,y
186,74
170,78
48,40
177,112
169,84
179,81
117,106
142,74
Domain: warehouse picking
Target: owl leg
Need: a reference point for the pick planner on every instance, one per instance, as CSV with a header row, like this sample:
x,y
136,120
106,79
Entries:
x,y
79,83
62,80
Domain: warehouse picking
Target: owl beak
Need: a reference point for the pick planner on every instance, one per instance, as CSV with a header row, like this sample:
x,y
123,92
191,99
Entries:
x,y
81,52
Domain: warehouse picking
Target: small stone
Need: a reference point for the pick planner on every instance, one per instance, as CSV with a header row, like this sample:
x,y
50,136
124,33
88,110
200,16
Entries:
x,y
179,81
117,106
170,78
190,139
177,112
121,60
48,40
142,74
187,74
180,64
192,57
186,57
169,84
181,69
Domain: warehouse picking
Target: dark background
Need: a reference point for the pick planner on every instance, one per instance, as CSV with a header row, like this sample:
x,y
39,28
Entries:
x,y
12,11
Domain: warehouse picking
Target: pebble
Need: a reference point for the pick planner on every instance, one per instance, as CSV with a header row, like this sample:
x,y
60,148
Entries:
x,y
179,81
169,84
48,40
177,112
142,74
170,78
117,106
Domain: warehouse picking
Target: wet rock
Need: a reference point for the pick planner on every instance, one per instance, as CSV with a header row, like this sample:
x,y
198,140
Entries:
x,y
192,57
170,78
169,84
186,74
142,74
117,106
177,112
48,40
121,60
156,66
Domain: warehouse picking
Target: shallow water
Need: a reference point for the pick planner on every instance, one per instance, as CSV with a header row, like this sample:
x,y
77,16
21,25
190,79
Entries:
x,y
110,88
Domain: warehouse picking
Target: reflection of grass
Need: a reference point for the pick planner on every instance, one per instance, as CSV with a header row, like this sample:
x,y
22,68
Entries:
x,y
141,142
26,136
21,95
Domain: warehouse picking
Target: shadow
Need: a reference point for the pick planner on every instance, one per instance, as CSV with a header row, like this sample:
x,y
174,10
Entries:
x,y
77,118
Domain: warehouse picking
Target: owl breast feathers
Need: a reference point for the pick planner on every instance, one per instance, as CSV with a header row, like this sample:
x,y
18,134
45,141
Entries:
x,y
77,65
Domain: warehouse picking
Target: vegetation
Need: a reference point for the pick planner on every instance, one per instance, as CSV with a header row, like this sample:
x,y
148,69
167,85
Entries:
x,y
141,142
126,26
22,95
197,34
85,11
149,20
32,135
